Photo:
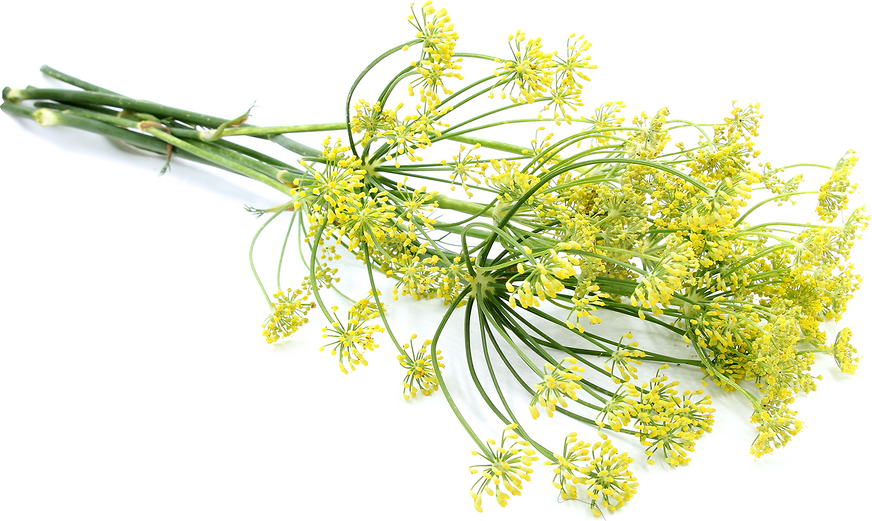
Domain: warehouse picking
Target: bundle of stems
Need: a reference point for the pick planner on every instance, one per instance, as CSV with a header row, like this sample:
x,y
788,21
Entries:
x,y
540,238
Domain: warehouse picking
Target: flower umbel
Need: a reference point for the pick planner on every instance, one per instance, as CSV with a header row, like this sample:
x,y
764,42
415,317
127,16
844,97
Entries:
x,y
419,370
288,315
844,353
507,464
560,382
610,484
530,69
354,337
776,426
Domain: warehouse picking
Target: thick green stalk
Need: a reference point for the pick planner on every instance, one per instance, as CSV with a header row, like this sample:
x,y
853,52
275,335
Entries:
x,y
123,102
76,82
210,155
135,139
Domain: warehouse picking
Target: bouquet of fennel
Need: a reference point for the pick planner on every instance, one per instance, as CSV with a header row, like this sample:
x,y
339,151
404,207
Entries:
x,y
481,182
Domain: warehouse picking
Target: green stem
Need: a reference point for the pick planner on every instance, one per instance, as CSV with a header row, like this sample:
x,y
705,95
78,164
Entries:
x,y
251,250
282,254
76,82
214,157
378,304
435,362
288,129
165,111
775,198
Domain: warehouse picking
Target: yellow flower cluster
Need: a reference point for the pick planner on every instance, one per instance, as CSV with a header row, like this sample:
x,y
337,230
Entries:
x,y
777,363
833,196
325,190
355,337
585,301
618,410
415,205
566,91
437,59
419,370
452,281
405,135
624,360
370,120
656,288
776,425
466,167
605,119
418,278
512,182
507,465
844,353
610,483
362,218
744,122
670,421
651,137
560,382
543,279
530,69
288,314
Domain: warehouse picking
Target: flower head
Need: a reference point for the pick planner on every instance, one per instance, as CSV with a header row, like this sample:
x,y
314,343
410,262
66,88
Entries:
x,y
419,277
288,315
618,410
437,60
844,352
775,426
370,119
560,382
623,361
669,421
744,122
542,279
834,193
324,191
466,167
530,69
419,370
651,137
365,218
610,484
570,70
605,118
354,337
405,136
507,464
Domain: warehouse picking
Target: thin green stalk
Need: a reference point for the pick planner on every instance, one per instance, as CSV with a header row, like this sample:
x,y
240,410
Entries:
x,y
287,129
378,304
507,338
358,80
769,200
435,362
251,251
282,254
542,450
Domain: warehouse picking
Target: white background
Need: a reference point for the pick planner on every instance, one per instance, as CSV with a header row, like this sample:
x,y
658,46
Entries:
x,y
134,383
